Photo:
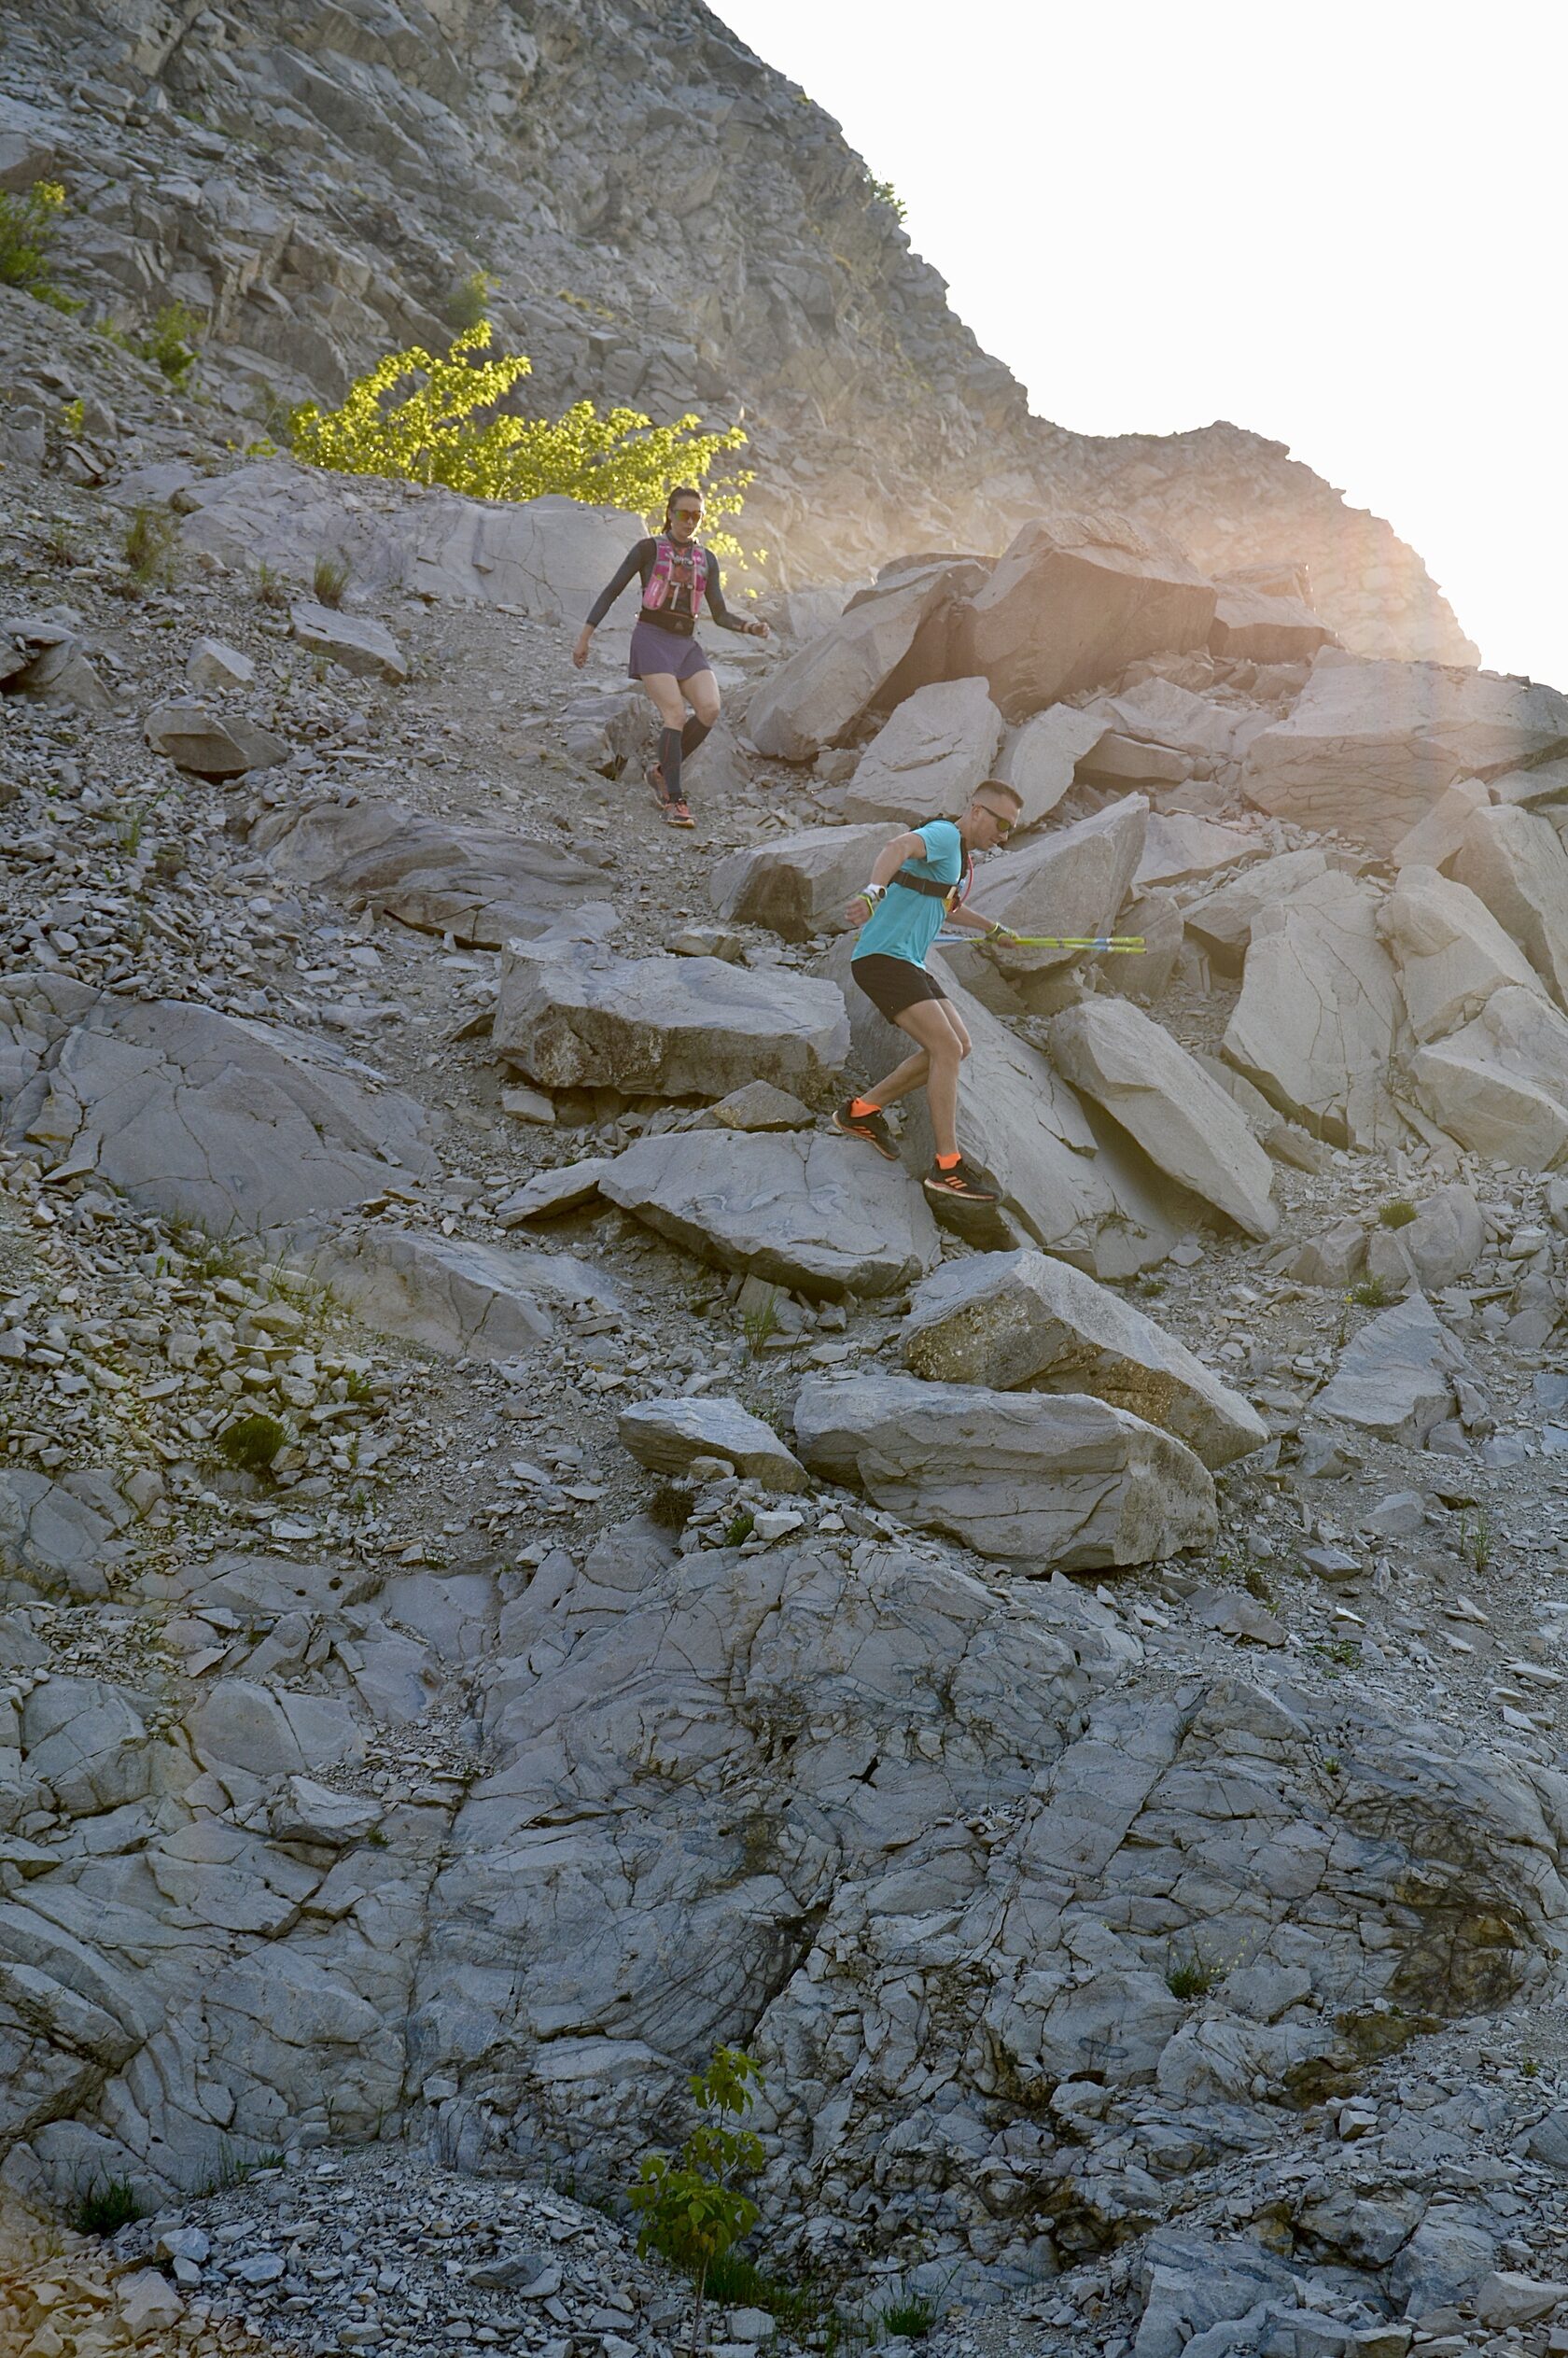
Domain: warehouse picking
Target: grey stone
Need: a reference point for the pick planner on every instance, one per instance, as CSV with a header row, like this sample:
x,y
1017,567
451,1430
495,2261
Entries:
x,y
1249,626
1235,1614
1119,760
1184,1123
1402,1515
926,760
797,885
818,693
666,1435
1394,1378
1434,839
1314,1027
1507,2298
1500,1085
1444,2261
1180,849
758,1105
1039,761
549,1193
1069,880
60,1535
309,1812
355,642
571,1015
466,1299
1333,1258
269,1731
1542,788
212,666
1040,1479
1450,951
1515,862
196,738
1222,921
1161,711
815,1213
1445,1239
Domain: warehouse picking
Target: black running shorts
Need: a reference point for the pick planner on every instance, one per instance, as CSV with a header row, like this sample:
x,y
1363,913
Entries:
x,y
893,984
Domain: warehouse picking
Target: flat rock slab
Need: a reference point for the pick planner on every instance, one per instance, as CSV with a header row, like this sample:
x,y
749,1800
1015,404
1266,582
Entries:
x,y
1450,951
1069,880
209,744
1073,602
1369,747
1500,1085
814,1211
666,1435
925,762
481,885
239,1126
1183,1121
1008,1320
797,885
1315,1025
1179,849
1394,1378
1039,760
1250,627
1222,921
356,641
1434,839
1439,1246
549,1193
1515,862
1044,1481
570,1015
466,1299
61,1537
820,690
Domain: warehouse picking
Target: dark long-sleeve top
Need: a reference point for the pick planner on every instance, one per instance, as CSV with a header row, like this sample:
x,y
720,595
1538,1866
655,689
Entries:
x,y
640,561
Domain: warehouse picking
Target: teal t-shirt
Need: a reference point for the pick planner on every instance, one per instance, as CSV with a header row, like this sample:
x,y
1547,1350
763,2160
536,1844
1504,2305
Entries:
x,y
905,924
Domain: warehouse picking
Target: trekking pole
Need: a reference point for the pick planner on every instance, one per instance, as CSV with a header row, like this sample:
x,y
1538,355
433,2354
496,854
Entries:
x,y
1132,942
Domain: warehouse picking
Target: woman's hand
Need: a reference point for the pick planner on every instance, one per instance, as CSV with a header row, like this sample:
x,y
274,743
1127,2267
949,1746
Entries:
x,y
584,640
758,630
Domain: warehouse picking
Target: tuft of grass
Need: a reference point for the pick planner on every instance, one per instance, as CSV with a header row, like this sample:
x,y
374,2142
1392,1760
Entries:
x,y
251,1445
147,544
29,225
1398,1214
171,343
883,192
669,1507
1333,1765
739,1529
913,2317
106,2207
1475,1541
1190,1976
468,303
1257,1583
60,542
269,586
758,1324
330,578
1371,1294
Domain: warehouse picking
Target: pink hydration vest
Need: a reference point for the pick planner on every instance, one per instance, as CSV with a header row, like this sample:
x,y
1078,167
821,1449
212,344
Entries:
x,y
660,589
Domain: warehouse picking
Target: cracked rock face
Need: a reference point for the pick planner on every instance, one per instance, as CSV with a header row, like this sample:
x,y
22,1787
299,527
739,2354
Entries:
x,y
1314,1027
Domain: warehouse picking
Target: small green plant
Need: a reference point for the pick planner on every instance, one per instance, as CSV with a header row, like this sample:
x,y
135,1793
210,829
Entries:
x,y
72,416
1398,1214
106,2207
690,2206
1475,1541
1258,1584
1530,2066
171,343
60,544
911,2318
470,301
252,1444
1371,1294
670,1507
359,1388
1190,1976
883,192
29,224
147,544
761,1321
1151,1285
739,1529
269,585
1331,1766
330,578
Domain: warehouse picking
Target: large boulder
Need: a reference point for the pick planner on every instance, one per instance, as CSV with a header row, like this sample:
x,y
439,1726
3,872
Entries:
x,y
1072,601
818,693
797,885
1043,1480
210,744
481,885
1314,1027
466,1299
1500,1085
925,762
1395,1377
548,557
1518,865
1450,951
1439,1246
1222,921
669,1436
1011,1320
806,1210
1159,711
1186,1124
59,1536
571,1015
1435,838
1369,747
1179,849
1039,760
356,641
236,1125
1069,880
1068,1178
1250,626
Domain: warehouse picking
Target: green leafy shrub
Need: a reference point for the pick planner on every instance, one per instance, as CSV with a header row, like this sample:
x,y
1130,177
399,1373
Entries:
x,y
468,306
689,2205
1398,1214
251,1445
1191,1976
913,2317
106,2207
739,1529
447,428
171,343
330,578
148,545
1371,1294
29,224
883,192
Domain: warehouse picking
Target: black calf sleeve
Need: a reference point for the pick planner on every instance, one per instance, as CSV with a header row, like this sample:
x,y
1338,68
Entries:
x,y
692,735
669,762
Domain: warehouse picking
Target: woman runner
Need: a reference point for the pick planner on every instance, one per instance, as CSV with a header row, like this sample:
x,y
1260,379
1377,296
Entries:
x,y
678,573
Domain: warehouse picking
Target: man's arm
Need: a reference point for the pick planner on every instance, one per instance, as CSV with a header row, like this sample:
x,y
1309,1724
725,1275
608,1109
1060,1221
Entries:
x,y
973,923
886,865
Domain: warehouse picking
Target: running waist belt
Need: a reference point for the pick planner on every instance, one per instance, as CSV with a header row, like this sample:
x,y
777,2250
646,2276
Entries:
x,y
681,625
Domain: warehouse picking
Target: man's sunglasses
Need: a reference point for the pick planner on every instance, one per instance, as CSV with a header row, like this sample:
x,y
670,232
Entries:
x,y
1004,826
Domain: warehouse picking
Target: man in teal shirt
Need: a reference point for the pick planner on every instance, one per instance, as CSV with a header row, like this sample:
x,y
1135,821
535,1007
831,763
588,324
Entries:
x,y
918,885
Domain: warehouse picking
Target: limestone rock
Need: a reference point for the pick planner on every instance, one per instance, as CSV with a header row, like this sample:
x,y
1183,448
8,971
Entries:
x,y
196,738
1183,1122
1119,760
315,1813
466,1299
1072,601
1039,760
1314,1027
1334,1259
666,1435
1542,788
482,885
820,690
1041,1480
1006,1320
1250,626
1450,951
214,667
356,641
60,1536
1439,1246
549,1193
1222,921
797,885
1182,849
1160,712
1517,863
925,762
810,1211
1069,881
237,1124
1371,746
758,1105
570,1015
1500,1085
1434,839
1395,1377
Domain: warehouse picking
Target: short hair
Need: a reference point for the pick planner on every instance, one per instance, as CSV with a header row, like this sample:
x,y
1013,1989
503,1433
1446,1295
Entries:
x,y
998,786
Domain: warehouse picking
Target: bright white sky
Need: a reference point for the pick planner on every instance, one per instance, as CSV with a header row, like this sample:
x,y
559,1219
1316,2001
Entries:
x,y
1341,227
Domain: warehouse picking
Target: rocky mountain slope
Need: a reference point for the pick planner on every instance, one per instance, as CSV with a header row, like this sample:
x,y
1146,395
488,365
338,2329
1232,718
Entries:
x,y
669,222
